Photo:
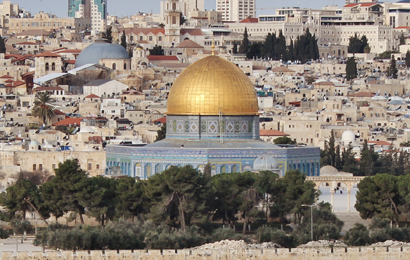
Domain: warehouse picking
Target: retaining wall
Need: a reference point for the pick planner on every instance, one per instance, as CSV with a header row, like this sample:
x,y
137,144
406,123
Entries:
x,y
350,253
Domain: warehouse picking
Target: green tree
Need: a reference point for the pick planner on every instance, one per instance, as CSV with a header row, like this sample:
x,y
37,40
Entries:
x,y
178,193
156,50
161,133
357,45
124,40
367,49
294,191
329,151
42,107
131,198
74,186
408,59
108,34
351,69
402,39
284,140
378,196
392,71
103,203
244,47
23,197
280,46
2,45
358,236
366,163
348,160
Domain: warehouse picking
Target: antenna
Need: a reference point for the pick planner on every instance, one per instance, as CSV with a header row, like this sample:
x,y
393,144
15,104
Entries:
x,y
213,49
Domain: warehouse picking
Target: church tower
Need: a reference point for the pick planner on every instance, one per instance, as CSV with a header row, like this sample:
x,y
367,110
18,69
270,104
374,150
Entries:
x,y
172,17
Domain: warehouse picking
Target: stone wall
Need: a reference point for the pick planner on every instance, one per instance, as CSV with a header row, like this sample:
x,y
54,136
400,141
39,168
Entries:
x,y
351,253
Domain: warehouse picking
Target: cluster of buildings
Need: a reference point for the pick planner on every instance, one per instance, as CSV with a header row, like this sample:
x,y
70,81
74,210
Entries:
x,y
218,107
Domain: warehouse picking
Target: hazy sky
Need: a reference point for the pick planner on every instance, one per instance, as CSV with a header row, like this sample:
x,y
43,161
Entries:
x,y
124,7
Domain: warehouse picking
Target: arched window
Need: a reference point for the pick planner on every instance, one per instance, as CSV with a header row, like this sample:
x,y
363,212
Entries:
x,y
125,66
137,170
148,170
223,169
141,38
53,66
158,168
47,66
174,20
160,38
234,168
150,38
174,6
131,38
114,66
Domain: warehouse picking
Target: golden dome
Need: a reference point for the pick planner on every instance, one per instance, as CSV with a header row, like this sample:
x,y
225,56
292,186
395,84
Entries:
x,y
210,85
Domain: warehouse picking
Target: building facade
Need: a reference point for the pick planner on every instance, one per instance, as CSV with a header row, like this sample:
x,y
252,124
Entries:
x,y
236,10
212,118
94,9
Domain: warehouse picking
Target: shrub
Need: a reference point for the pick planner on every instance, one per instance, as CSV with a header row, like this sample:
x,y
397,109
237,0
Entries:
x,y
358,235
224,233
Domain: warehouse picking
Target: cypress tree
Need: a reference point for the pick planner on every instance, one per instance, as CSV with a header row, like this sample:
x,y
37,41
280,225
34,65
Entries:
x,y
123,40
351,69
392,71
245,43
235,47
407,59
2,45
280,47
402,39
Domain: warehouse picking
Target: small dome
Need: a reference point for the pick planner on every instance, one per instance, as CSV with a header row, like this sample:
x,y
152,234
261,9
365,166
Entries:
x,y
33,143
348,137
328,170
265,163
101,50
210,86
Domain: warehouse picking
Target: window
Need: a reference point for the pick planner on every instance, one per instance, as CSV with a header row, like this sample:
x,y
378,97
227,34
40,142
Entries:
x,y
53,166
53,66
34,167
125,66
97,166
40,167
90,166
114,66
47,66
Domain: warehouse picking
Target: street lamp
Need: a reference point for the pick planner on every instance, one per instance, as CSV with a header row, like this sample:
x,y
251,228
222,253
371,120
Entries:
x,y
311,218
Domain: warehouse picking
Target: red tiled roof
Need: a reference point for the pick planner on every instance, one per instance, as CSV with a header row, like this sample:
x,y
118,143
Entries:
x,y
162,57
69,121
48,54
189,44
70,61
379,143
250,20
368,4
6,77
401,27
271,133
27,74
350,5
92,96
70,51
144,30
9,80
161,120
27,43
193,32
47,88
58,112
16,84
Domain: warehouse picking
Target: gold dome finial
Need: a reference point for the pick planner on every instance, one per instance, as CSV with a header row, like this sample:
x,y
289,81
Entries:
x,y
213,46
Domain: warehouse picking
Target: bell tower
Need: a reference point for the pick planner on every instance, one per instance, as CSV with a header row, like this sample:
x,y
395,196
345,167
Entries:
x,y
172,16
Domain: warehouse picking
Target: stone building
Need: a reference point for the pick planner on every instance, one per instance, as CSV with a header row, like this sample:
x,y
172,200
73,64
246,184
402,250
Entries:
x,y
212,118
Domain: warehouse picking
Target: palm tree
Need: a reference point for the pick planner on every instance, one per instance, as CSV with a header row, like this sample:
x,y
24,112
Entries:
x,y
42,108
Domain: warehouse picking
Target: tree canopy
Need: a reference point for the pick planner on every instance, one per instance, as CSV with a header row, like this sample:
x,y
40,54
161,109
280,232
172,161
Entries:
x,y
42,107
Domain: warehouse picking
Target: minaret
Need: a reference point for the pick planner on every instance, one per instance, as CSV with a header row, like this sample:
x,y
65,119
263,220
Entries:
x,y
172,11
